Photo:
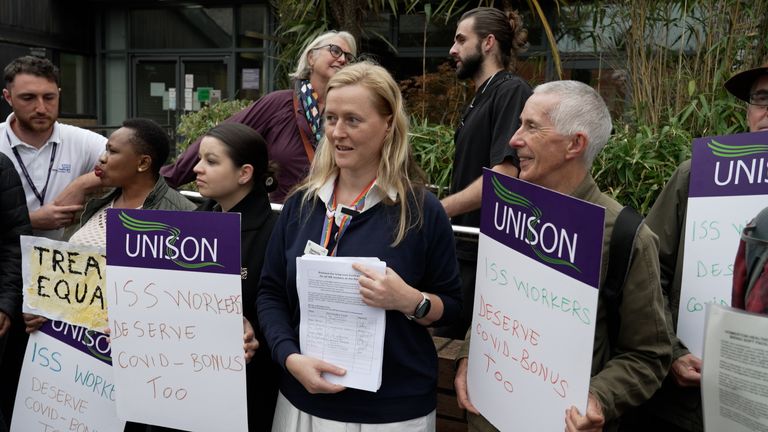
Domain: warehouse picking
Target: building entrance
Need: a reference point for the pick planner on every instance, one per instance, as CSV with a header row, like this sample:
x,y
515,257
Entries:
x,y
167,87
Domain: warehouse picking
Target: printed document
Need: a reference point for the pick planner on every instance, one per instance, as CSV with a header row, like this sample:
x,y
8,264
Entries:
x,y
336,326
734,380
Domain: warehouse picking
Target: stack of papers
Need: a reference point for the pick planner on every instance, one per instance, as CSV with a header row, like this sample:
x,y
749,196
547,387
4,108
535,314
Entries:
x,y
336,326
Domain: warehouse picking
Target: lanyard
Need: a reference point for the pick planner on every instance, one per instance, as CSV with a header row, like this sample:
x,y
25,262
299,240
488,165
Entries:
x,y
40,195
330,213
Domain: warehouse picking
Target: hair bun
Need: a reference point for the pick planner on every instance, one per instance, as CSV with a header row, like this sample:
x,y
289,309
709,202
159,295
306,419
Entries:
x,y
270,182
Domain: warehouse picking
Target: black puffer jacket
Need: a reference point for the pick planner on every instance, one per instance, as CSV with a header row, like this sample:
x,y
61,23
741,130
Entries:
x,y
14,222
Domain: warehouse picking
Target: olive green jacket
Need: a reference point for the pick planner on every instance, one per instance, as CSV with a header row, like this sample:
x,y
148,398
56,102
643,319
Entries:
x,y
626,375
162,197
677,405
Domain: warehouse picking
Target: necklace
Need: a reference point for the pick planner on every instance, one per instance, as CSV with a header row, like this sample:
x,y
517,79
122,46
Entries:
x,y
472,103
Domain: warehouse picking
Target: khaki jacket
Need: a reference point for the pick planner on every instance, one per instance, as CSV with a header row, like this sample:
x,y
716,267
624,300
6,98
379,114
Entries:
x,y
675,404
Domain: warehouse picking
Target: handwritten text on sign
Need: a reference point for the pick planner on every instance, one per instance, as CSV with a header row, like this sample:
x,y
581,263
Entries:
x,y
538,273
64,281
729,186
66,382
176,316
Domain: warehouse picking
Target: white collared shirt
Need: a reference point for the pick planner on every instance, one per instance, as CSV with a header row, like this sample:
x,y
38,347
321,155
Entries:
x,y
77,153
374,196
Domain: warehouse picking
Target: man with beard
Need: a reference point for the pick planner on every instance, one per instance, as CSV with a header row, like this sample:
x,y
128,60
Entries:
x,y
485,49
55,161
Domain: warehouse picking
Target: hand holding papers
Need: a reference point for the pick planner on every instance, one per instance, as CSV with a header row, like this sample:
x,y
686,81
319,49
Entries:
x,y
336,326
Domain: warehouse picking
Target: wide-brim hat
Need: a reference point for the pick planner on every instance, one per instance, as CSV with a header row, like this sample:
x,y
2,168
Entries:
x,y
740,84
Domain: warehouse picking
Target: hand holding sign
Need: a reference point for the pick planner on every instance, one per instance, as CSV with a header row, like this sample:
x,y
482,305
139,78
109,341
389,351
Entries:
x,y
687,371
592,421
33,322
250,344
460,383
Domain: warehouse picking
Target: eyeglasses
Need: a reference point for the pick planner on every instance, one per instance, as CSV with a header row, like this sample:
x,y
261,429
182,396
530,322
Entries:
x,y
759,98
336,52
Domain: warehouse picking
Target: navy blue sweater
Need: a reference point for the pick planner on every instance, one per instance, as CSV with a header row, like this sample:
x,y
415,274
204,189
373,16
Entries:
x,y
425,259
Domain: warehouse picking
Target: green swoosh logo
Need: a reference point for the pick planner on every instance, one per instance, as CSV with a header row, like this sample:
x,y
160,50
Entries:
x,y
133,224
514,199
732,151
94,352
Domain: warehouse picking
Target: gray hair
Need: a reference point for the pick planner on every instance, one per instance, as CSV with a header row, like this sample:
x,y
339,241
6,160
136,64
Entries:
x,y
303,69
580,109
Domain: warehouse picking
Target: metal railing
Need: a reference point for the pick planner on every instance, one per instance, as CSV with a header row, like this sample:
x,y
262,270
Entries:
x,y
465,232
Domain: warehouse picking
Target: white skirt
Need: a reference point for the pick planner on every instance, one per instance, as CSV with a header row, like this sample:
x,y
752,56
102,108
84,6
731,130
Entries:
x,y
288,418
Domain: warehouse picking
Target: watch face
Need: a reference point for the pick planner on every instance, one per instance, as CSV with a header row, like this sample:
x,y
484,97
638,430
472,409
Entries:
x,y
423,308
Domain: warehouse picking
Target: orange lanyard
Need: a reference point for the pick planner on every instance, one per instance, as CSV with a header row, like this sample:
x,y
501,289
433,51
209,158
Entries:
x,y
329,222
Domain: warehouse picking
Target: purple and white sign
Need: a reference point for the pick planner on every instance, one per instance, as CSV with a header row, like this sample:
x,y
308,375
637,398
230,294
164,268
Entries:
x,y
728,187
550,228
171,240
176,314
538,270
730,165
66,382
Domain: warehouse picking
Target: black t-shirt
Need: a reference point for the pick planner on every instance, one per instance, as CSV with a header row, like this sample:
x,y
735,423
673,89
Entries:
x,y
482,139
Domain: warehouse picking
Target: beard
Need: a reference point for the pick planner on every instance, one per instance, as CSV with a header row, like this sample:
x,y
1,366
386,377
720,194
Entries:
x,y
470,65
35,124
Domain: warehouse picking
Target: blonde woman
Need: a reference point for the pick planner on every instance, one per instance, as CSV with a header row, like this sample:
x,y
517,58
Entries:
x,y
364,163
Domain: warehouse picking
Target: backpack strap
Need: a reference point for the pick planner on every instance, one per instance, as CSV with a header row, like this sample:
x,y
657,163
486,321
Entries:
x,y
619,257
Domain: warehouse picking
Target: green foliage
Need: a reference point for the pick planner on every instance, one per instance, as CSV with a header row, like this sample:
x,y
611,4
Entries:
x,y
433,149
677,55
637,162
639,158
194,124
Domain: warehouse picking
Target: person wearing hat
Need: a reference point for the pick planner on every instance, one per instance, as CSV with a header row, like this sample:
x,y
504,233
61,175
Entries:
x,y
751,86
677,405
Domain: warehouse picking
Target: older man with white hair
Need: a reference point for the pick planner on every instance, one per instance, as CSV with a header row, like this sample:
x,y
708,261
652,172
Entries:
x,y
564,125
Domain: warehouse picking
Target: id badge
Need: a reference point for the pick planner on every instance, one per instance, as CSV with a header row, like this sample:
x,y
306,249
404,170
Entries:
x,y
313,248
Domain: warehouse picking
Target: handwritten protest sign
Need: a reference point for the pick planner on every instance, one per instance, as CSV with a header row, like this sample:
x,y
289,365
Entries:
x,y
176,316
66,382
538,271
729,186
64,281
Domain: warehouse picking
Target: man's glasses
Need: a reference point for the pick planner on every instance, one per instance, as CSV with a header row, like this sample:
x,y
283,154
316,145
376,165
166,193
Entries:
x,y
759,98
337,52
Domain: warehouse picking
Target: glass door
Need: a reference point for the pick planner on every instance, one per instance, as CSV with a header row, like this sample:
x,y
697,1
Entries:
x,y
204,82
155,84
166,88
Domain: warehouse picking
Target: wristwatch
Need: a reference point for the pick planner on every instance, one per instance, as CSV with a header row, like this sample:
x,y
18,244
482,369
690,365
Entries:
x,y
422,309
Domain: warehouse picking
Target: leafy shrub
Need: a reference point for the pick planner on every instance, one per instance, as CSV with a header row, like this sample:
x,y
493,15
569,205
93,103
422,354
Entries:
x,y
637,162
194,124
433,149
639,158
